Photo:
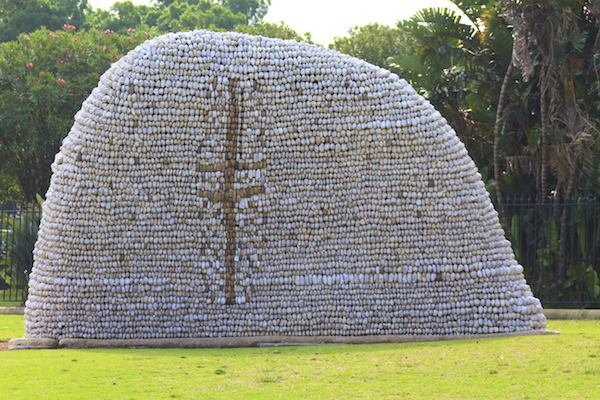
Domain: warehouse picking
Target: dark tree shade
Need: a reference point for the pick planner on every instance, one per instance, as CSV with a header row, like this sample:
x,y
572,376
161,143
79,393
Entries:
x,y
19,16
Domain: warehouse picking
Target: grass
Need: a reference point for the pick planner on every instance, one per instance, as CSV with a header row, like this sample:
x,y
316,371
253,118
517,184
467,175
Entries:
x,y
9,303
11,297
11,326
565,367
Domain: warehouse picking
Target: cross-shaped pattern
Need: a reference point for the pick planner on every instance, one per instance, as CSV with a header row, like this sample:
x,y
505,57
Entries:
x,y
229,196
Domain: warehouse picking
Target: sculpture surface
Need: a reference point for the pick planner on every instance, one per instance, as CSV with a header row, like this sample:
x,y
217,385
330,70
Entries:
x,y
225,185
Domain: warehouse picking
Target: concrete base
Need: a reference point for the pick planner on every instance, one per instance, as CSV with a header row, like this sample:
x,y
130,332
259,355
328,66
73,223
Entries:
x,y
254,341
15,310
32,344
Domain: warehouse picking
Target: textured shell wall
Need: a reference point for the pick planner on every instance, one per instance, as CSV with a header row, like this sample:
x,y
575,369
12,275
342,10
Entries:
x,y
229,185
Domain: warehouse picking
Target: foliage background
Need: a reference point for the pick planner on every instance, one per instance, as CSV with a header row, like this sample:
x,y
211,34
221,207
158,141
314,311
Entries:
x,y
518,80
44,78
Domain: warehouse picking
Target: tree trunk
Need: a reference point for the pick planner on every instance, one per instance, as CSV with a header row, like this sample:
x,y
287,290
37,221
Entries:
x,y
557,199
544,142
564,225
497,128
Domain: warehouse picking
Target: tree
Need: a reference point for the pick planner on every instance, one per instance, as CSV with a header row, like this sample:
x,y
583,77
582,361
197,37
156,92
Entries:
x,y
556,45
459,67
178,15
120,17
273,30
18,16
44,78
375,43
254,10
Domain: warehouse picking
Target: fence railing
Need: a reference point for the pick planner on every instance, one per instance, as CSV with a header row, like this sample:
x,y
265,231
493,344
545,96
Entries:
x,y
558,244
18,233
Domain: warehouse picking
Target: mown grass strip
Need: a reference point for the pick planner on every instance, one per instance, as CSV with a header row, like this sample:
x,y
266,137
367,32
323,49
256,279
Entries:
x,y
10,303
565,366
11,326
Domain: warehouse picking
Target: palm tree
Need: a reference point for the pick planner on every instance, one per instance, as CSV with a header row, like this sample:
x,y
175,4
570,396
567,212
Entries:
x,y
461,67
442,67
556,42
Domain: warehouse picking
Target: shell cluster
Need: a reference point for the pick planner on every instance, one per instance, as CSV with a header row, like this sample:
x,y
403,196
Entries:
x,y
220,184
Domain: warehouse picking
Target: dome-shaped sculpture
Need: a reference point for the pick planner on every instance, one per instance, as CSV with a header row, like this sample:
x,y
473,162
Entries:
x,y
225,185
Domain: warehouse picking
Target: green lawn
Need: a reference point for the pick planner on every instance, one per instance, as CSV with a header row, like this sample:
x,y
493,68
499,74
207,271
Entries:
x,y
9,303
11,297
562,367
11,326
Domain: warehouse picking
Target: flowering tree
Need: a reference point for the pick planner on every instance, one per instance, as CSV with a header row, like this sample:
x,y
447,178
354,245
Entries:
x,y
44,78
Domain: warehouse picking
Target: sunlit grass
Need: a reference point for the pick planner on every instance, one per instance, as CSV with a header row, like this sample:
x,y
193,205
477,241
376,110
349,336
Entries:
x,y
11,326
566,366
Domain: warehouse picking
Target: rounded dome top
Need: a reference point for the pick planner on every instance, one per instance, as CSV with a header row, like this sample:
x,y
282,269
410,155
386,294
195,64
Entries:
x,y
220,184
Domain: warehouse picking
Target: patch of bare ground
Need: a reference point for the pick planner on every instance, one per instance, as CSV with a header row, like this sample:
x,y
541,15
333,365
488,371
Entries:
x,y
3,346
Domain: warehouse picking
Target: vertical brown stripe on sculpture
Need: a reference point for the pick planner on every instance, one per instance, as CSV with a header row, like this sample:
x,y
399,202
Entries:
x,y
229,196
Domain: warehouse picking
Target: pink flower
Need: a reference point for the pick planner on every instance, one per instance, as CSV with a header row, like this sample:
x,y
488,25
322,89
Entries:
x,y
52,35
29,65
130,30
61,81
145,33
76,39
106,48
129,37
67,26
26,37
21,95
109,31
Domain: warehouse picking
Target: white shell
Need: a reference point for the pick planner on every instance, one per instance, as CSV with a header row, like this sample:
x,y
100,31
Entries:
x,y
335,197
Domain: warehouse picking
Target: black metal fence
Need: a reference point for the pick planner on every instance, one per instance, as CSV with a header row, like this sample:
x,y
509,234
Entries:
x,y
18,233
558,244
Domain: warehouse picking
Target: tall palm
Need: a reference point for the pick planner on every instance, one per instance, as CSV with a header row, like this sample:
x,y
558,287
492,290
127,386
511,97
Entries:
x,y
459,65
555,43
439,67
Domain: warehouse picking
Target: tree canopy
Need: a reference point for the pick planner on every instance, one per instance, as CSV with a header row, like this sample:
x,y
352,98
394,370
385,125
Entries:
x,y
518,80
44,78
167,16
374,43
26,16
18,16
